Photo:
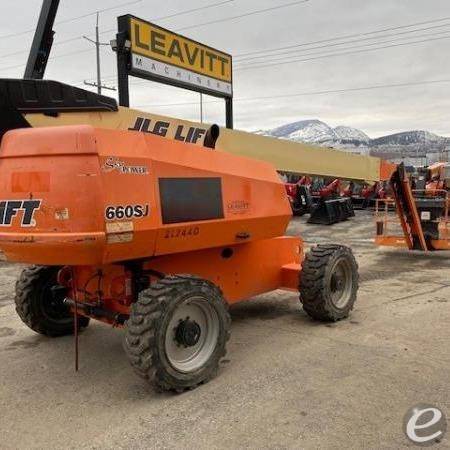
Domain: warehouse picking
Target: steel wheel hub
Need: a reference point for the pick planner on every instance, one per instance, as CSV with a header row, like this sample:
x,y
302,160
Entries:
x,y
52,305
341,282
192,334
188,332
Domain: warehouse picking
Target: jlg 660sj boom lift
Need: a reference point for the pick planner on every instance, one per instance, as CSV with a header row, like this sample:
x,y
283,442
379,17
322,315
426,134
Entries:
x,y
157,236
149,223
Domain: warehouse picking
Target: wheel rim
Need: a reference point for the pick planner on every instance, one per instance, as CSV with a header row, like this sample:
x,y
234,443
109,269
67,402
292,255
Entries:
x,y
192,335
341,283
52,307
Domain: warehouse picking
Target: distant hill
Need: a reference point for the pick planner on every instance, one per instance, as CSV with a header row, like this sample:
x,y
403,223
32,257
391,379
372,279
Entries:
x,y
317,132
406,144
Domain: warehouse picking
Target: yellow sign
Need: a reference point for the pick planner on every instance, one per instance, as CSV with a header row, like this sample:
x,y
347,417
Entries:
x,y
162,53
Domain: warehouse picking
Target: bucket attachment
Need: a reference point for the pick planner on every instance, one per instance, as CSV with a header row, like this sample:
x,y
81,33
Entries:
x,y
302,203
359,202
328,212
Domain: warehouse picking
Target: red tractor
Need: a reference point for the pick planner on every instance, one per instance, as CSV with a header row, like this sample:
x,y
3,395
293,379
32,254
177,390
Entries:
x,y
299,196
329,205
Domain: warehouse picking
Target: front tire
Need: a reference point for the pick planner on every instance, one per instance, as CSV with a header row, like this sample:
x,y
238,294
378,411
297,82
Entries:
x,y
177,332
329,282
39,308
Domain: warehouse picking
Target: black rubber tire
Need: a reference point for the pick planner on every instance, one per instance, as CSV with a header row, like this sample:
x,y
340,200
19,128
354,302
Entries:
x,y
315,291
32,291
145,331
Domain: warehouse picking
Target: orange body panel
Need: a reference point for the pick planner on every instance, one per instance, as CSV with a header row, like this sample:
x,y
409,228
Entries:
x,y
253,268
240,271
391,241
386,170
101,201
440,244
397,241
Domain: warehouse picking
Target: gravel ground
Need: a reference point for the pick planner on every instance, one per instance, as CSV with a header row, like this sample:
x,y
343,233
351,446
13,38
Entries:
x,y
287,382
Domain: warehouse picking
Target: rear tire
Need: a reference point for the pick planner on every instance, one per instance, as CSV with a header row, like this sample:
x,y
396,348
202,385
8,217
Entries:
x,y
329,282
38,308
177,332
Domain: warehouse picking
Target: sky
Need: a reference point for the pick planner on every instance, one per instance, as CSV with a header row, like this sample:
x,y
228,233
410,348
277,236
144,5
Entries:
x,y
289,60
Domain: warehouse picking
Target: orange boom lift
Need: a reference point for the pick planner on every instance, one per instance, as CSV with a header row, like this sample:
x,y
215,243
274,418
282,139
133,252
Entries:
x,y
156,236
156,227
421,219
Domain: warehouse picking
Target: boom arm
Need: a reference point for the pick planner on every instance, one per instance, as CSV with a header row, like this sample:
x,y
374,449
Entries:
x,y
285,156
407,210
43,41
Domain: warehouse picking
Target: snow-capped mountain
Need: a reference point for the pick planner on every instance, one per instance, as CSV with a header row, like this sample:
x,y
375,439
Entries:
x,y
318,132
351,134
408,138
409,143
313,131
418,144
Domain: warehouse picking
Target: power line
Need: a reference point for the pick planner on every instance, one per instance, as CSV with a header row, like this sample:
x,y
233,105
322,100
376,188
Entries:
x,y
20,52
200,8
348,36
76,38
225,19
314,56
336,44
76,52
280,57
321,56
181,13
352,41
72,19
291,61
265,53
98,12
208,23
331,39
312,93
282,61
240,16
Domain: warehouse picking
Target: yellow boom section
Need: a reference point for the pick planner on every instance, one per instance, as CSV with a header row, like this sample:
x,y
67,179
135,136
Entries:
x,y
284,155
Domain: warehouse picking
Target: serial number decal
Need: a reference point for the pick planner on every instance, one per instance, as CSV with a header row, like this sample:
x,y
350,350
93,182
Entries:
x,y
126,212
186,232
10,208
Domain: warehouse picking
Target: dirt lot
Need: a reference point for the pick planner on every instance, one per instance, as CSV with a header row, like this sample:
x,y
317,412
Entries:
x,y
288,382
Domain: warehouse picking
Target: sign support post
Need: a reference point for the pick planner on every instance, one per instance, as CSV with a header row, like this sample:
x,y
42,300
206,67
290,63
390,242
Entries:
x,y
148,51
123,57
229,112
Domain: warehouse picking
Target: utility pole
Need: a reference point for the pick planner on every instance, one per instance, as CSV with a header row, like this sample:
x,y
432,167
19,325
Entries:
x,y
201,107
98,44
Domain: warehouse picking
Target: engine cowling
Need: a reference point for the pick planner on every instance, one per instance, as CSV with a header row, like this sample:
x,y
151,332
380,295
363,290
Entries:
x,y
77,195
